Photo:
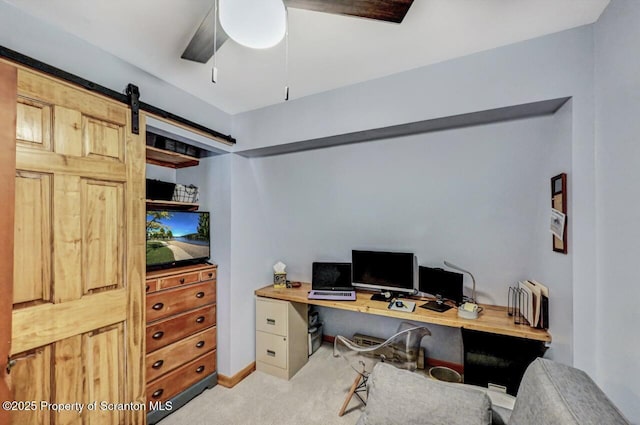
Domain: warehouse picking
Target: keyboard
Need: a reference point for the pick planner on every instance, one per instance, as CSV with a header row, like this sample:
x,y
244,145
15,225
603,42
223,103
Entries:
x,y
332,295
436,306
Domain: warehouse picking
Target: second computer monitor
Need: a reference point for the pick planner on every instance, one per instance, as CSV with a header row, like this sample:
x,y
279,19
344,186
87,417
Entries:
x,y
442,283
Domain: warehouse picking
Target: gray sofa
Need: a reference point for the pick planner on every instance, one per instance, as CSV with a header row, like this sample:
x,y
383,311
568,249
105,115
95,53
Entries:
x,y
550,394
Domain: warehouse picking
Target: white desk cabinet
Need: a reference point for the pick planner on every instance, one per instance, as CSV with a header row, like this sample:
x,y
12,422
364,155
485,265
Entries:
x,y
281,337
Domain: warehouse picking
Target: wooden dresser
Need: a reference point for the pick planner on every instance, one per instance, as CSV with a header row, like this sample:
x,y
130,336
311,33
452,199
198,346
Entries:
x,y
180,336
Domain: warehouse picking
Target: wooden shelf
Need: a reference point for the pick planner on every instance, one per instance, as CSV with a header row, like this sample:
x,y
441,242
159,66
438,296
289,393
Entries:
x,y
493,319
170,159
174,205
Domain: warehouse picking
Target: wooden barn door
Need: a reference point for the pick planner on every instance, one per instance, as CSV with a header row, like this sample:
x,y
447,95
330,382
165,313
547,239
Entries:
x,y
7,178
77,332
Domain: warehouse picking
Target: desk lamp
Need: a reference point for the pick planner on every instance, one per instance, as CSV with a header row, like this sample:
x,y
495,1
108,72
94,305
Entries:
x,y
468,310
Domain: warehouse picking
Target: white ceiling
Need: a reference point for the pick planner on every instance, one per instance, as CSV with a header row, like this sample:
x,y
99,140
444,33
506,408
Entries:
x,y
325,51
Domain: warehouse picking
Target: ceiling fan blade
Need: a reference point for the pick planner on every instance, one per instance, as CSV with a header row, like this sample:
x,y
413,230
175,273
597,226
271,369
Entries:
x,y
200,48
382,10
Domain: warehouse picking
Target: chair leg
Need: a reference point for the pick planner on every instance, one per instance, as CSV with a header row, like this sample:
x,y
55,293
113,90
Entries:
x,y
350,394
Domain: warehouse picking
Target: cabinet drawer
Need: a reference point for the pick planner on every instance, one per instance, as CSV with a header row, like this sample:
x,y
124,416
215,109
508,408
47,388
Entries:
x,y
271,349
208,274
166,303
181,279
164,332
271,316
151,285
174,382
168,358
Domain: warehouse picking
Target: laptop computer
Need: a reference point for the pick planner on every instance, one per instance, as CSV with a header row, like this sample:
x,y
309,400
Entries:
x,y
331,281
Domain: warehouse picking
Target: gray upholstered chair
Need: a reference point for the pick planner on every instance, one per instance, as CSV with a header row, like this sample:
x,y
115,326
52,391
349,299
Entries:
x,y
550,394
401,350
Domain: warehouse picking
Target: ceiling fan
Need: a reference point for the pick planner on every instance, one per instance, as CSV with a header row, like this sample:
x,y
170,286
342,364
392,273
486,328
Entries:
x,y
201,46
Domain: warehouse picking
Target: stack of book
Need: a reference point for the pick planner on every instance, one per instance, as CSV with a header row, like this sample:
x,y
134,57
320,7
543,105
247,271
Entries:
x,y
537,298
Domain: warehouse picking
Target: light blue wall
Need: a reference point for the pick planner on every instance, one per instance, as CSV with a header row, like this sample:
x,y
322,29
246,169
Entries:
x,y
617,91
212,176
549,67
251,251
472,196
543,264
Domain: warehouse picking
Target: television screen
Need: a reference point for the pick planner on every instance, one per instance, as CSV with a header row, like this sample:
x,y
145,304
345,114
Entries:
x,y
177,237
383,270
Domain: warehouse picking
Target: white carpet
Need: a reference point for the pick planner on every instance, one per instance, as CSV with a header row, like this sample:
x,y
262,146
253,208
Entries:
x,y
313,396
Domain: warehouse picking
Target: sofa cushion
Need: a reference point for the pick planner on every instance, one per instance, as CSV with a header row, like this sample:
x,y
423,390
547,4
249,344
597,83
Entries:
x,y
552,393
398,396
501,404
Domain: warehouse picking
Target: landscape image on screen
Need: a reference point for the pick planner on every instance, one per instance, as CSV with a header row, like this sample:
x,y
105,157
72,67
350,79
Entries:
x,y
174,236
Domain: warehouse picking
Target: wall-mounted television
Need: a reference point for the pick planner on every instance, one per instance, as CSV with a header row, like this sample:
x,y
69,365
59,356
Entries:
x,y
176,238
384,271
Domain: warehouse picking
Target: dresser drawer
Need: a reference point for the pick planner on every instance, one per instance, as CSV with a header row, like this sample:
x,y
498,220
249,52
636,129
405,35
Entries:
x,y
166,303
168,358
271,349
164,332
178,280
271,316
208,274
174,382
151,286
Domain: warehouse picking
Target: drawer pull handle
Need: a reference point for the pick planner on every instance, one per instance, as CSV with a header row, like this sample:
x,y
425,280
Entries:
x,y
210,274
147,289
157,393
182,280
200,344
271,321
200,369
158,335
200,319
200,295
158,364
271,353
157,306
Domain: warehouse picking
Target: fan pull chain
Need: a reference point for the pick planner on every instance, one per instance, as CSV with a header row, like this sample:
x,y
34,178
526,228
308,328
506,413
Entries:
x,y
214,70
286,54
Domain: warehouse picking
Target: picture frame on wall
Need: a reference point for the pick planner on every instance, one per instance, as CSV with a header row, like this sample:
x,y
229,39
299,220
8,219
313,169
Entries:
x,y
559,203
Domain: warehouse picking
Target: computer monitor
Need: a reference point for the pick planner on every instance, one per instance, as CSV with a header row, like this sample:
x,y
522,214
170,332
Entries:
x,y
384,271
331,276
442,284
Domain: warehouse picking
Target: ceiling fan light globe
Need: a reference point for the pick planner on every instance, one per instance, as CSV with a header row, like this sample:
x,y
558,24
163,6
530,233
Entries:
x,y
258,24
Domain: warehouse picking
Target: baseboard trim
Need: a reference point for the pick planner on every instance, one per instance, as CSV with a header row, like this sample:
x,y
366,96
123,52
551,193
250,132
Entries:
x,y
455,366
232,381
328,338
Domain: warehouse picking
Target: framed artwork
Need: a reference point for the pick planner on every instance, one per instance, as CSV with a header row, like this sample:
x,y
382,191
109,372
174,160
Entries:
x,y
559,203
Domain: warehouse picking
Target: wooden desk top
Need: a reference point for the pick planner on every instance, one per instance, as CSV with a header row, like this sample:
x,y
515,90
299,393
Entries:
x,y
492,319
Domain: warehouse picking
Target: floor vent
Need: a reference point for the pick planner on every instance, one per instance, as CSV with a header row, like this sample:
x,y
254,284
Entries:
x,y
388,352
366,340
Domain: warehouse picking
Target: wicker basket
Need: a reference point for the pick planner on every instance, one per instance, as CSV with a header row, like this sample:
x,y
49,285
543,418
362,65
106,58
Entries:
x,y
184,193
